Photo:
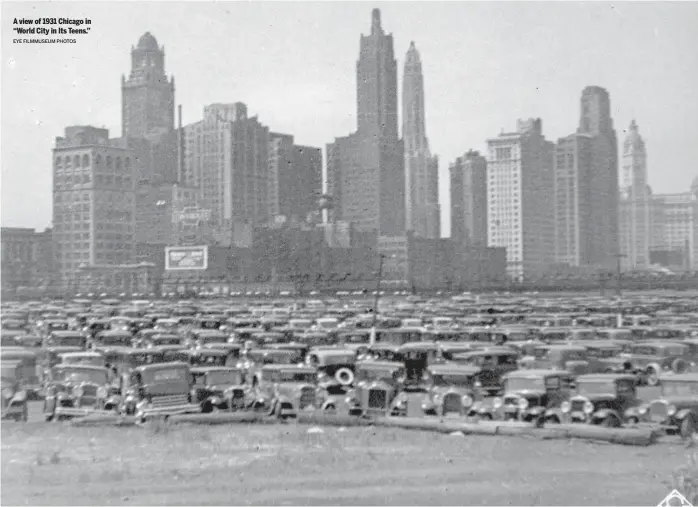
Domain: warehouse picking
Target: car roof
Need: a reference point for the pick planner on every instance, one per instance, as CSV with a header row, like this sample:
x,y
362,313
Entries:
x,y
162,366
681,377
212,369
80,367
536,373
453,369
601,377
301,368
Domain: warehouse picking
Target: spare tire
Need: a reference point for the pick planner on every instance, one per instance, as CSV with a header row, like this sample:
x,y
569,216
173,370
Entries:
x,y
344,376
679,366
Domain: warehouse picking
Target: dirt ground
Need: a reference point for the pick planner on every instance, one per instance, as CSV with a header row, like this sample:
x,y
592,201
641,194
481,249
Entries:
x,y
59,464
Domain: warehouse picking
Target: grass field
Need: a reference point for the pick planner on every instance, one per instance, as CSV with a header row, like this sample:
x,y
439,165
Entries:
x,y
60,464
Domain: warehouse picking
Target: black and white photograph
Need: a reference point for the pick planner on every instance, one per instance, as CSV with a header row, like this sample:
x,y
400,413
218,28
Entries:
x,y
349,253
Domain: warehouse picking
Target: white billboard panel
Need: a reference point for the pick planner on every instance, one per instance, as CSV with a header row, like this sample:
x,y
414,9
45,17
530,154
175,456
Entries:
x,y
180,258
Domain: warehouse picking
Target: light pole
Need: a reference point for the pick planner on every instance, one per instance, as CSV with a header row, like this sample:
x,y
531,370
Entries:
x,y
618,257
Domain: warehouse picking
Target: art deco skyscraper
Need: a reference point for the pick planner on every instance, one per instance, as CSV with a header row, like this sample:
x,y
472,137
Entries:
x,y
147,95
376,82
421,169
635,202
365,170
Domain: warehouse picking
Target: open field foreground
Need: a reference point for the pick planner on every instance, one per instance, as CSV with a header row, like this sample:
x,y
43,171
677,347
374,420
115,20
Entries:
x,y
285,465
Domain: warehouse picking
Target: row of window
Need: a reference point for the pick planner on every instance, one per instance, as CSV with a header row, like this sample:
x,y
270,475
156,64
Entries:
x,y
71,161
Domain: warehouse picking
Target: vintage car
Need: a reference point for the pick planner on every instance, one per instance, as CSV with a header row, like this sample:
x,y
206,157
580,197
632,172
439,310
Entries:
x,y
380,352
299,349
285,389
606,356
531,395
251,361
157,390
14,396
220,388
605,399
88,358
677,409
14,325
208,338
333,364
112,338
75,391
47,326
209,357
654,359
376,385
10,338
95,326
152,338
29,367
454,390
65,339
494,362
29,341
573,358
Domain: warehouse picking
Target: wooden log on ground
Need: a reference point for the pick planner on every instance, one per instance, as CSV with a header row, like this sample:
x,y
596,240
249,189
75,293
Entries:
x,y
622,436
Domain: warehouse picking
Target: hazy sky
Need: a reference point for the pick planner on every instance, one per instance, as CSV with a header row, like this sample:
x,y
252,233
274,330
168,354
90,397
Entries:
x,y
294,64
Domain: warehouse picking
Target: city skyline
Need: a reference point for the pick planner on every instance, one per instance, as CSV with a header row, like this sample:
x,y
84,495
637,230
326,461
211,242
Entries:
x,y
465,105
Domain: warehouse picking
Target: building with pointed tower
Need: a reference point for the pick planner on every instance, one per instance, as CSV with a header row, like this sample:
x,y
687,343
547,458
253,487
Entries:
x,y
422,211
147,94
635,219
365,170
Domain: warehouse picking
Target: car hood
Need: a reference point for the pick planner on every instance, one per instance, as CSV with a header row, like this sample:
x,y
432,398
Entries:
x,y
595,398
681,401
526,393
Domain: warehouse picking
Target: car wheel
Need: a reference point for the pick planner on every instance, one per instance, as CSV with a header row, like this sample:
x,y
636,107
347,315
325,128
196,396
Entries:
x,y
688,427
330,409
552,420
652,377
610,422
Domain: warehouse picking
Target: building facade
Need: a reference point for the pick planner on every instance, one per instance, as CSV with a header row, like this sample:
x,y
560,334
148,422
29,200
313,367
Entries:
x,y
227,158
635,218
519,186
93,201
27,258
586,188
422,212
147,94
469,199
295,178
674,222
365,170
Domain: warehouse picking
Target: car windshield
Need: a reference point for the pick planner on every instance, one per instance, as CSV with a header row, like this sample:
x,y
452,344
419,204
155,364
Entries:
x,y
331,359
168,375
524,384
375,375
675,388
68,341
213,339
442,380
293,376
224,378
78,375
586,388
644,351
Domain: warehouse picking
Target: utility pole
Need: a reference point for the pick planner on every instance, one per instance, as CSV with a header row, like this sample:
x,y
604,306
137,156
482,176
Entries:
x,y
618,273
378,291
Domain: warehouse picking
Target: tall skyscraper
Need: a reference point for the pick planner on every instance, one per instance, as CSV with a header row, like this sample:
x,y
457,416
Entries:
x,y
93,201
421,169
147,95
227,158
602,199
295,178
635,219
585,187
469,200
376,82
365,170
519,186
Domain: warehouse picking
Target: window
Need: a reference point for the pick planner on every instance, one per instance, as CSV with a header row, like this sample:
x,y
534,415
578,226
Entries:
x,y
85,160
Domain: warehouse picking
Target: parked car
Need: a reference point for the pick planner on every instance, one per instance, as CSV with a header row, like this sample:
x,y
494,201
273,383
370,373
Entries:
x,y
494,363
531,395
157,390
333,364
65,339
605,399
219,388
454,389
677,409
572,358
286,389
375,387
74,390
14,396
88,358
652,359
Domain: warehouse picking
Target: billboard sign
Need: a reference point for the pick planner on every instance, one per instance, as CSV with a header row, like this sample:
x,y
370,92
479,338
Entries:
x,y
180,258
191,214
